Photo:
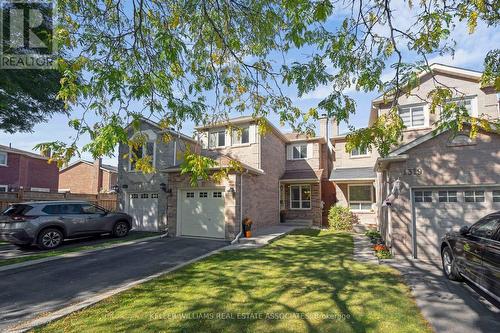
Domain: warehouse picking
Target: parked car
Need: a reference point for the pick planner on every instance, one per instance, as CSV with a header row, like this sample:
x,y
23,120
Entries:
x,y
473,253
48,223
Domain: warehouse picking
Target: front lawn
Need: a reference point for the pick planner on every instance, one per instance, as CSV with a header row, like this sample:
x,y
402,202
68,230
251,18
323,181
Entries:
x,y
304,282
76,248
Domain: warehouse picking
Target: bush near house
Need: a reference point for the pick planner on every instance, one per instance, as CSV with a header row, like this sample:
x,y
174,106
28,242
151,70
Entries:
x,y
341,218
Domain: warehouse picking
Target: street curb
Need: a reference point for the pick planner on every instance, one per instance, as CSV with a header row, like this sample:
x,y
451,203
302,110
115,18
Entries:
x,y
73,254
29,325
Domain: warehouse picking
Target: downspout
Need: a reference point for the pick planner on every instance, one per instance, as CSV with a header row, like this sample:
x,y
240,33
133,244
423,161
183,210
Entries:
x,y
237,238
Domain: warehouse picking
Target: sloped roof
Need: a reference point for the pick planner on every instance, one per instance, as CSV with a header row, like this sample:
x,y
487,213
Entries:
x,y
22,152
302,175
364,173
106,167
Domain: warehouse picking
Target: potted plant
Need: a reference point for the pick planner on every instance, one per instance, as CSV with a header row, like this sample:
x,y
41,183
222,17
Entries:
x,y
247,227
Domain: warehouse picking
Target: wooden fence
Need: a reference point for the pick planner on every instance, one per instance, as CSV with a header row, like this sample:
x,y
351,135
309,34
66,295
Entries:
x,y
106,200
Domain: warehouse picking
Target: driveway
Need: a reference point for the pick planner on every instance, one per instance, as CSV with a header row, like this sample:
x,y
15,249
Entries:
x,y
449,306
29,291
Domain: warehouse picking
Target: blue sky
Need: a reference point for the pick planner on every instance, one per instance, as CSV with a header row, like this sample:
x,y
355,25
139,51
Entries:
x,y
469,53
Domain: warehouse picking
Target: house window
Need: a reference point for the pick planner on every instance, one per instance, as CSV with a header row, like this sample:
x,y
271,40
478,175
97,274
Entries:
x,y
360,197
465,103
496,196
300,196
240,136
299,151
412,116
147,150
4,188
189,194
359,152
423,196
3,158
447,196
474,196
217,194
203,195
217,139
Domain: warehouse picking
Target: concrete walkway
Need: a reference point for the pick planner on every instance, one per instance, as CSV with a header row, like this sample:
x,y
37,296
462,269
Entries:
x,y
448,306
263,236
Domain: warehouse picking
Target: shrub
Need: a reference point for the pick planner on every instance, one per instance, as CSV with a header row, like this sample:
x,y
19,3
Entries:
x,y
373,234
341,218
384,254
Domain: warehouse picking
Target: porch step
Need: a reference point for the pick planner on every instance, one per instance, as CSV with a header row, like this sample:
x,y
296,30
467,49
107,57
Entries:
x,y
298,223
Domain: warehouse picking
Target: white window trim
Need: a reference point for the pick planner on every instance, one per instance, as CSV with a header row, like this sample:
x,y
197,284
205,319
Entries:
x,y
495,195
426,115
447,196
236,144
225,139
300,196
6,187
475,196
6,156
298,145
424,196
360,155
359,201
474,112
40,189
144,148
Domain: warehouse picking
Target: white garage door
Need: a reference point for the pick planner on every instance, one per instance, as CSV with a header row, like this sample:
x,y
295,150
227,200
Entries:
x,y
440,210
143,207
201,213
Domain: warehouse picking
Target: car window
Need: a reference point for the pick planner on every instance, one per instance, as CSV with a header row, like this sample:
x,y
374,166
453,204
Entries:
x,y
486,228
52,209
70,209
17,210
91,209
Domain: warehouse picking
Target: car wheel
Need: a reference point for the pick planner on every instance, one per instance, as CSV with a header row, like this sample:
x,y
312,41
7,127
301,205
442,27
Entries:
x,y
449,265
49,239
120,229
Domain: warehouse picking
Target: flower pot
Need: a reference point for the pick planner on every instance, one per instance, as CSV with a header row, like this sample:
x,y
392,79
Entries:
x,y
248,234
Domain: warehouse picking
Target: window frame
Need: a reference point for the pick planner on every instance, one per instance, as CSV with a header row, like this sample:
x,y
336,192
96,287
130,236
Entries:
x,y
447,196
6,158
144,149
411,107
6,187
475,196
360,202
423,196
300,146
217,133
481,223
301,201
359,155
474,112
236,134
495,197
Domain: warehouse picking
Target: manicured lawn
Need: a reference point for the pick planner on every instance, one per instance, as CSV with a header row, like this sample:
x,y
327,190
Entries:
x,y
308,279
107,242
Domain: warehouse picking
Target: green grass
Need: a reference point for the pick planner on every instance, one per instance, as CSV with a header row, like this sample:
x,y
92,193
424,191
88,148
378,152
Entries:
x,y
308,277
63,250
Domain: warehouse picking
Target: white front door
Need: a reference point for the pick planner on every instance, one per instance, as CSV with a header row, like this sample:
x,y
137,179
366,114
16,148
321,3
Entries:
x,y
143,207
201,213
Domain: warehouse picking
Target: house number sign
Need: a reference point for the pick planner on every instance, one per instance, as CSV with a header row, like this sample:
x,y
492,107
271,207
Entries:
x,y
412,172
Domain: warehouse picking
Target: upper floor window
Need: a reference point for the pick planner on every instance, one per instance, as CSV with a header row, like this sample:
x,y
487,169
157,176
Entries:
x,y
299,151
240,136
217,139
148,149
413,116
359,152
3,158
467,103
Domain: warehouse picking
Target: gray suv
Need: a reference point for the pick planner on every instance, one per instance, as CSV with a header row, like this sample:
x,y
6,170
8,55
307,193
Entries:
x,y
48,223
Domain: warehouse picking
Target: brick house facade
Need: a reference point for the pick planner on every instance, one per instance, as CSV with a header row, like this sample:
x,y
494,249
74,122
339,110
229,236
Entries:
x,y
26,170
88,177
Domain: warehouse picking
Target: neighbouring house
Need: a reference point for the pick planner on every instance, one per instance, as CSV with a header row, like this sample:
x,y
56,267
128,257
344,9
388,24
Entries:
x,y
88,177
283,178
431,183
24,170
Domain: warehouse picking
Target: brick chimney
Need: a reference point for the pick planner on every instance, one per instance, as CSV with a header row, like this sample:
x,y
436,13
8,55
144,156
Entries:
x,y
97,176
323,127
335,128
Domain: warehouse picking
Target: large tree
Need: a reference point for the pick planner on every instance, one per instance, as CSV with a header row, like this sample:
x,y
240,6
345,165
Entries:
x,y
200,60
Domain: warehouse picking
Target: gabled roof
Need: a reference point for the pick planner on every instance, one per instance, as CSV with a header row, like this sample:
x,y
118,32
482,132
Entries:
x,y
170,130
22,152
106,167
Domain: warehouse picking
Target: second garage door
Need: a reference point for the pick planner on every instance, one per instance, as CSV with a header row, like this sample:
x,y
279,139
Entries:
x,y
201,213
438,211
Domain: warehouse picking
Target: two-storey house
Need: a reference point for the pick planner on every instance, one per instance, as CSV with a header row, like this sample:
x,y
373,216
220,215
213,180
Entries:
x,y
283,179
432,182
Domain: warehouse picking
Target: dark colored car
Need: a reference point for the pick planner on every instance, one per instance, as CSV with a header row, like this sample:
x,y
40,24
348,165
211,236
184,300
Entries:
x,y
48,223
473,253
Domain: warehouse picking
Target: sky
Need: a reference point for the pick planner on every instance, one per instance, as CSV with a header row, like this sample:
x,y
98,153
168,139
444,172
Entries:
x,y
469,53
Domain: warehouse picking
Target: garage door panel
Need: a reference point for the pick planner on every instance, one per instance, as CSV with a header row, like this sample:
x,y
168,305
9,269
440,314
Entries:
x,y
202,213
143,207
434,219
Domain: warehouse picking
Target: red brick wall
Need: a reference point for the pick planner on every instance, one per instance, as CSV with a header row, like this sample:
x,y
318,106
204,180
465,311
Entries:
x,y
80,179
29,172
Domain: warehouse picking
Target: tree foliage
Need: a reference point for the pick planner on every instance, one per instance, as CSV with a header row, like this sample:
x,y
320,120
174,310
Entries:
x,y
202,60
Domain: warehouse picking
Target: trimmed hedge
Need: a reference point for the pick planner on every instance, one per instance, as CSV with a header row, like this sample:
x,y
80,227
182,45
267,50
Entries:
x,y
341,218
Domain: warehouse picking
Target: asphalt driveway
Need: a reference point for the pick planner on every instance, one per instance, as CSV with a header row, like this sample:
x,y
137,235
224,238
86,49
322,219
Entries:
x,y
448,306
29,291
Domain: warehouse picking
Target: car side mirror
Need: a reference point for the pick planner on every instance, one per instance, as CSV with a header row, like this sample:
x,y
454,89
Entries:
x,y
464,230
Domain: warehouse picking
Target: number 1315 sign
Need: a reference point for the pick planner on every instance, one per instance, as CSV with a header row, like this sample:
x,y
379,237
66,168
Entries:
x,y
412,172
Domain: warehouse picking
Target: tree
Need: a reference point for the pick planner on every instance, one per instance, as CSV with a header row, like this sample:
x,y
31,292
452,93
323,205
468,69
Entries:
x,y
201,59
27,96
